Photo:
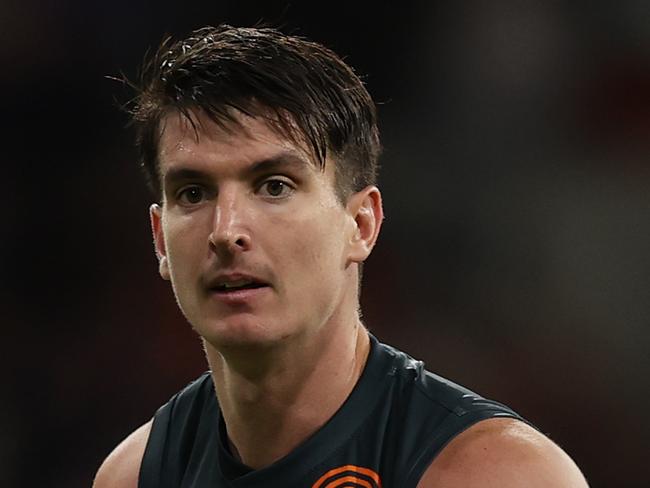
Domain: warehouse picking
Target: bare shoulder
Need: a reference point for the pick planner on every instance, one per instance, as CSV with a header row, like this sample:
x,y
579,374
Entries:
x,y
122,466
504,453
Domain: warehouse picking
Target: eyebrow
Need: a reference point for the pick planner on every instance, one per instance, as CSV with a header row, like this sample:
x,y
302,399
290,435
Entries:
x,y
282,160
285,159
182,174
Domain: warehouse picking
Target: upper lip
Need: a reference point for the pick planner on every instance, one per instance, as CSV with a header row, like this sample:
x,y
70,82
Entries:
x,y
223,278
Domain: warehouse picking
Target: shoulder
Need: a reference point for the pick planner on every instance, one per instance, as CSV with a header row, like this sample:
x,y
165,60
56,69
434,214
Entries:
x,y
415,380
121,468
502,453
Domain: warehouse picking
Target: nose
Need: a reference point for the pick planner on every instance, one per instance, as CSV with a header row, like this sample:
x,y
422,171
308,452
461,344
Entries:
x,y
229,232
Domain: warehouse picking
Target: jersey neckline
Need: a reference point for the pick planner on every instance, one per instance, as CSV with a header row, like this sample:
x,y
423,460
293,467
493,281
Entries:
x,y
315,449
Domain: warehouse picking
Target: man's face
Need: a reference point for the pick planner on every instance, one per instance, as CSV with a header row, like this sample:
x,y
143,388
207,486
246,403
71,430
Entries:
x,y
251,234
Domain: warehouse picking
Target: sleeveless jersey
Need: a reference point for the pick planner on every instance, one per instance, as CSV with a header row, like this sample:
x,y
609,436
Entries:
x,y
387,432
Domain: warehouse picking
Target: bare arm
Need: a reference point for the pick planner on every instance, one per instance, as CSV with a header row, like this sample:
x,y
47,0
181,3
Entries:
x,y
502,453
122,466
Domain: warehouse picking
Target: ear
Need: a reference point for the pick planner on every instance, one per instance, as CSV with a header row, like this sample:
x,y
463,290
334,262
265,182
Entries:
x,y
366,210
155,216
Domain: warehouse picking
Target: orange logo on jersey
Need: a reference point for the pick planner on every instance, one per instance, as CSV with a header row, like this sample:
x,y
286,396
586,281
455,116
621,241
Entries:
x,y
349,476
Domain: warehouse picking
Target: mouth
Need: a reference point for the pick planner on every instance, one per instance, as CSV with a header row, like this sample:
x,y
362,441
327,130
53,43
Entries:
x,y
236,288
237,285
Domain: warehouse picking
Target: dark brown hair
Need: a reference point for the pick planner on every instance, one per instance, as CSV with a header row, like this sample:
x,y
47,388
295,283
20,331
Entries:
x,y
312,96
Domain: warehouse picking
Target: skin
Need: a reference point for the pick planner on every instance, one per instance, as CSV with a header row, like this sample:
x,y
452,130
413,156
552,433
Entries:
x,y
502,453
249,202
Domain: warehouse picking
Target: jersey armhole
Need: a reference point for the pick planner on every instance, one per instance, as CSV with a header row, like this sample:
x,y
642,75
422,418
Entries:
x,y
150,468
458,424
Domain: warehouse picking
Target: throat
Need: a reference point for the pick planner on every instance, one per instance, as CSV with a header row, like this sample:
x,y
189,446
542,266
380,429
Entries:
x,y
270,415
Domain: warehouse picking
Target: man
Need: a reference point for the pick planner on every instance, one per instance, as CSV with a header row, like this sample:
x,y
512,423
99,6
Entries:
x,y
262,149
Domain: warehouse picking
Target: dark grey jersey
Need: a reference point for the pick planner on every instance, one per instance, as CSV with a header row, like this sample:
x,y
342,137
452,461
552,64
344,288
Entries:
x,y
395,421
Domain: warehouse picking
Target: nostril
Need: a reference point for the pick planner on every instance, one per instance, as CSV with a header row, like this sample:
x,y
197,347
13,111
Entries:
x,y
229,242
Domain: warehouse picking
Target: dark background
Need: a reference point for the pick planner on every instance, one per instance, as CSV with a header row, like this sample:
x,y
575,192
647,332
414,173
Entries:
x,y
513,259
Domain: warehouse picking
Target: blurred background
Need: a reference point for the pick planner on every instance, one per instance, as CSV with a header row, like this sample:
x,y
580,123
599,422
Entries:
x,y
514,256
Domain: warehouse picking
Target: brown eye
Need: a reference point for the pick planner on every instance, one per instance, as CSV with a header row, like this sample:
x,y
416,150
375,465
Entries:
x,y
276,188
192,195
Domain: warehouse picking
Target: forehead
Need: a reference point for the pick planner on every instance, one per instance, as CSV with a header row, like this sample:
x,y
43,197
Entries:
x,y
245,139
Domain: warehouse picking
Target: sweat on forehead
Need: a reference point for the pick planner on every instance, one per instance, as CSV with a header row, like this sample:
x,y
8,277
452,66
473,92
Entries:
x,y
197,124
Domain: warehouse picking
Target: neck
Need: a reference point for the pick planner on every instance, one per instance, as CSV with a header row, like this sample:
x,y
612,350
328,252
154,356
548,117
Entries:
x,y
272,400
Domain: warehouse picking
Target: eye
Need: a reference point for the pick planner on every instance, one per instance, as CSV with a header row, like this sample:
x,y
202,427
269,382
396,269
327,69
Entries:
x,y
191,195
276,188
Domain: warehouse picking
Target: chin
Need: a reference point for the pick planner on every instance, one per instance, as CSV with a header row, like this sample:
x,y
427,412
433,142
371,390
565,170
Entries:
x,y
241,332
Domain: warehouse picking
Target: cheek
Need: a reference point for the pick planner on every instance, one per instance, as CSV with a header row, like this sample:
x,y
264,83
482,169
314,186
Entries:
x,y
184,241
314,248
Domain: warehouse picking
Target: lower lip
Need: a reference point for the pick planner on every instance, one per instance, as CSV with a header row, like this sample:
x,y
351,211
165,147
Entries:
x,y
242,296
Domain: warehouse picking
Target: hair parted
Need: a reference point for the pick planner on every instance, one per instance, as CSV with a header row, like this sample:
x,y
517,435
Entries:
x,y
303,89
